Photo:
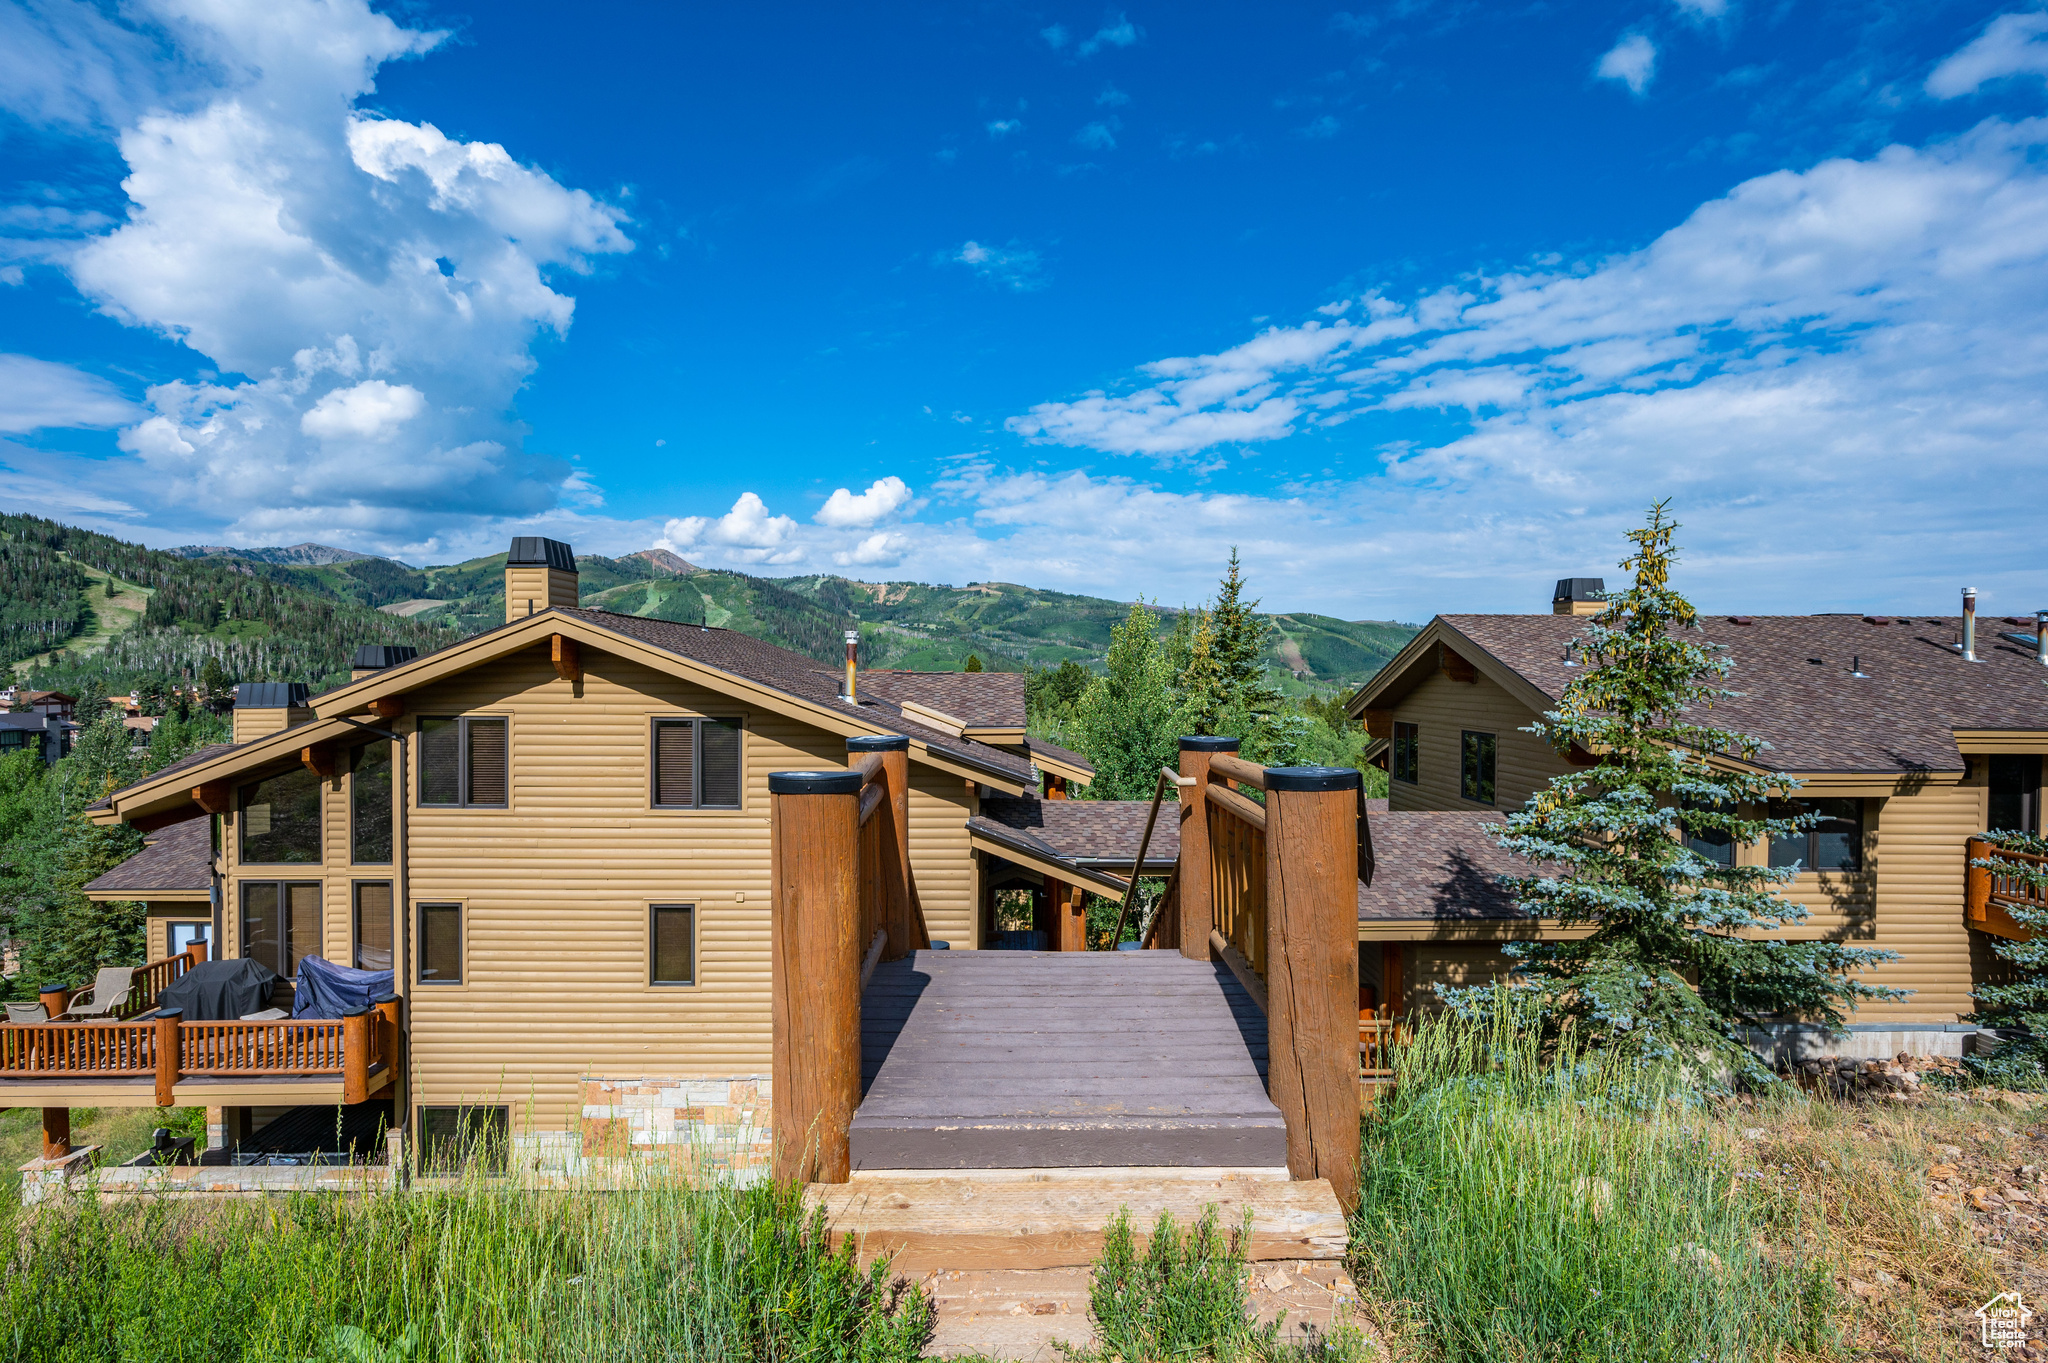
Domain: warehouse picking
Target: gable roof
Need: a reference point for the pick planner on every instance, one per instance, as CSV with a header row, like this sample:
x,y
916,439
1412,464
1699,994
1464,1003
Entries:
x,y
723,660
1438,866
176,864
1796,679
986,700
1085,832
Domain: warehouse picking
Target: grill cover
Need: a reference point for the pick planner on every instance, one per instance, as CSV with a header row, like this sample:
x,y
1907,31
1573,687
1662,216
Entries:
x,y
326,990
220,991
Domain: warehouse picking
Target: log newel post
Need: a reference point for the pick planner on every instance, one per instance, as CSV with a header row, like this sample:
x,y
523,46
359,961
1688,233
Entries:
x,y
1197,880
392,1042
1312,969
56,1132
355,1055
897,919
167,1056
56,998
814,851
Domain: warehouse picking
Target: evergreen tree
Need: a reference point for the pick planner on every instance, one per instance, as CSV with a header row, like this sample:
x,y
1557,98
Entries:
x,y
1665,972
215,687
973,664
2022,1005
1128,721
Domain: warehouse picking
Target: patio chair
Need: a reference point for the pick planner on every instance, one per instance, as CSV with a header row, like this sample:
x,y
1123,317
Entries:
x,y
110,989
27,1013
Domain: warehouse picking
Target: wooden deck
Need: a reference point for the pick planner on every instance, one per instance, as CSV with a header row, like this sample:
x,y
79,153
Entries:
x,y
1018,1059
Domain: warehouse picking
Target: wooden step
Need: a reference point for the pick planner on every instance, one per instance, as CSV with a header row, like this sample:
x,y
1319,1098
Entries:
x,y
959,1224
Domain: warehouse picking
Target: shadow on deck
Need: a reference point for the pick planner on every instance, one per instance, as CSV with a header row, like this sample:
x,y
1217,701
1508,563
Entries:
x,y
1014,1059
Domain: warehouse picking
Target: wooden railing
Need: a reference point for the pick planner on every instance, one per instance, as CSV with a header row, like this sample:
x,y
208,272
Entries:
x,y
1379,1034
144,984
1990,895
361,1048
1237,864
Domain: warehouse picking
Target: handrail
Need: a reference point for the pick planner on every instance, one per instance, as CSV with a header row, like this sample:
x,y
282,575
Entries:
x,y
874,957
1168,903
869,766
1237,876
1236,769
150,979
1241,968
1144,846
1988,891
1377,1038
871,797
1223,797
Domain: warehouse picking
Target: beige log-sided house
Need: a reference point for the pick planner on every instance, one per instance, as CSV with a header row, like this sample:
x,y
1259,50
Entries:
x,y
556,834
1905,742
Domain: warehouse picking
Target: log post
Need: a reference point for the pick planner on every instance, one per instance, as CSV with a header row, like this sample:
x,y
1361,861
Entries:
x,y
1197,883
355,1055
56,1132
1312,969
895,835
196,954
387,1011
56,998
814,854
167,1057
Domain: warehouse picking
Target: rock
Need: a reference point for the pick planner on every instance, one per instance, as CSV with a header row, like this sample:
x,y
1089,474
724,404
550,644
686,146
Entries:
x,y
1756,1133
1951,1151
2014,1195
1942,1172
1981,1199
1884,1279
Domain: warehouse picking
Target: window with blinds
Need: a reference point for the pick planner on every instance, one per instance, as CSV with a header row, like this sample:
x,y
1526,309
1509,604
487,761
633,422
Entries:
x,y
280,923
697,763
371,947
465,761
370,804
440,958
672,944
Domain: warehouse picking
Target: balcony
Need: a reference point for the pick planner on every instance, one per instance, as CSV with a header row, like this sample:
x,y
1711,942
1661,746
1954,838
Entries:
x,y
1989,896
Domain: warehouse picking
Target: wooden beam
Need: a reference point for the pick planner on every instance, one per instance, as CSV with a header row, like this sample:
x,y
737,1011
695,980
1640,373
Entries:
x,y
815,954
1250,811
1197,911
318,759
1379,723
1312,971
1456,666
388,707
568,658
213,797
1230,767
56,1132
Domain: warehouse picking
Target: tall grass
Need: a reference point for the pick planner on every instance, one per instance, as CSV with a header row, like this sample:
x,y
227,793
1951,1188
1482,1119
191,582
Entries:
x,y
1522,1206
485,1270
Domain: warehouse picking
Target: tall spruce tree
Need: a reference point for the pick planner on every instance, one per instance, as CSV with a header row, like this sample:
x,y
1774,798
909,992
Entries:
x,y
1128,721
1665,972
2019,1007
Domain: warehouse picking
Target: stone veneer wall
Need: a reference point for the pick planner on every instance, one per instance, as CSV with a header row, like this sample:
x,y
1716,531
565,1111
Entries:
x,y
703,1125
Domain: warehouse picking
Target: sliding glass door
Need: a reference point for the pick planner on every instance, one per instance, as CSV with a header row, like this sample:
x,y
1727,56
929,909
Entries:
x,y
281,922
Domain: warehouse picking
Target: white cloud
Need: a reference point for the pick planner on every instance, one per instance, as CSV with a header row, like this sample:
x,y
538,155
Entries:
x,y
884,497
1003,127
372,410
2011,45
1834,371
1702,10
1010,266
1055,36
883,549
1326,126
1111,98
745,534
1099,136
1119,32
35,394
368,290
1632,61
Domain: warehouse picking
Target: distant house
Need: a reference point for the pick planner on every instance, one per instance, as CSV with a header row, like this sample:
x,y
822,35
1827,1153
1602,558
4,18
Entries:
x,y
45,734
1905,745
172,877
47,703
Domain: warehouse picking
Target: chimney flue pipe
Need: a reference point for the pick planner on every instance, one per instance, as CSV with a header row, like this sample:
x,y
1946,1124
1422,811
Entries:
x,y
852,644
1969,624
2041,637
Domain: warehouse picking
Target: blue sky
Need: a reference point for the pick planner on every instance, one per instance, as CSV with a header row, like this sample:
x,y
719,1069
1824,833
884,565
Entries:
x,y
1418,304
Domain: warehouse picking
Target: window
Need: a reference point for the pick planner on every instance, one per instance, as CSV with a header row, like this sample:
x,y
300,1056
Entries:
x,y
1406,762
440,944
462,762
280,923
370,932
1712,845
1834,843
453,1137
1475,767
180,936
671,943
2015,786
280,819
369,804
697,763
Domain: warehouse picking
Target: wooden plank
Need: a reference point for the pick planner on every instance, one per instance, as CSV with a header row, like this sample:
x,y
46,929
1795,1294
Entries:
x,y
965,1224
1250,811
1231,767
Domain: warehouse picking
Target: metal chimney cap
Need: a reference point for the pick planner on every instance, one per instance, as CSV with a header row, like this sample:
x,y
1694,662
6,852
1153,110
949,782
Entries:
x,y
271,695
1580,589
532,551
380,656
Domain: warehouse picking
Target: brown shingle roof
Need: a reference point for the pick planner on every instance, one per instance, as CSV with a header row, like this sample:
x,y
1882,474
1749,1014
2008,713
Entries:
x,y
986,700
1103,832
173,866
1036,746
1439,865
192,759
1798,694
799,676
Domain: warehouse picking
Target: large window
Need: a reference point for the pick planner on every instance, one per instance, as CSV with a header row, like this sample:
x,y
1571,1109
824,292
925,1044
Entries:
x,y
280,819
1405,763
672,944
1834,843
462,762
696,764
370,933
1475,766
454,1137
440,944
2015,793
1713,845
369,804
180,936
280,923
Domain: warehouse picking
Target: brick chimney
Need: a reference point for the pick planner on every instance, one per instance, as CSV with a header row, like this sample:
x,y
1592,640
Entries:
x,y
1578,596
540,574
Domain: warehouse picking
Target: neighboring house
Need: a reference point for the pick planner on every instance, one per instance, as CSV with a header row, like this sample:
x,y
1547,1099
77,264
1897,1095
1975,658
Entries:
x,y
1904,747
172,877
55,703
45,734
573,881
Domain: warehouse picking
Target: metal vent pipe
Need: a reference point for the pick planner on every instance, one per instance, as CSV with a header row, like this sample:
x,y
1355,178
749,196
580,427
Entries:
x,y
2041,637
1969,624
